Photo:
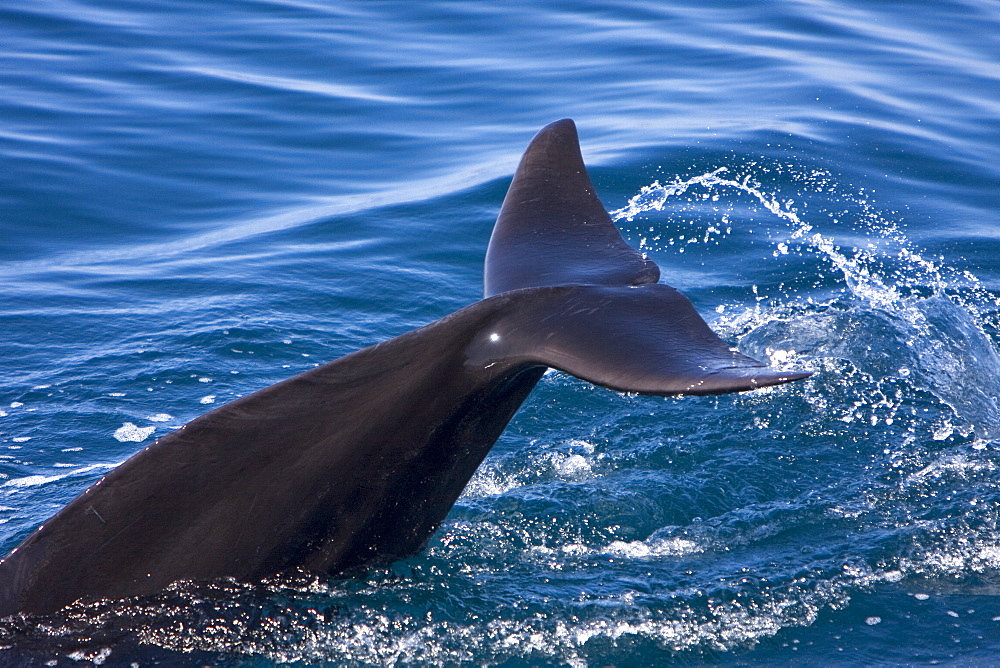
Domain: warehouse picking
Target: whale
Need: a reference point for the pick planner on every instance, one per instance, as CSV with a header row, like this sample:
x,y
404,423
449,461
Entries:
x,y
355,463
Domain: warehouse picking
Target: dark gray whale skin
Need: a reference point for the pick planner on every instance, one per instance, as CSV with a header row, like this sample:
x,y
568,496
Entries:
x,y
357,462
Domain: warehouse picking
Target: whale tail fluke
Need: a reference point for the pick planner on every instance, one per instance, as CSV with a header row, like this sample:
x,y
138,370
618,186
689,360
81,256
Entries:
x,y
358,461
611,323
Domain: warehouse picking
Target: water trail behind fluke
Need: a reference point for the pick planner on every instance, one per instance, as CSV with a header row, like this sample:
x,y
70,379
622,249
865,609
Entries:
x,y
932,317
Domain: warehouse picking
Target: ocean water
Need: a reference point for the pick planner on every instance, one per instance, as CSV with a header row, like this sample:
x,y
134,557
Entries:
x,y
200,199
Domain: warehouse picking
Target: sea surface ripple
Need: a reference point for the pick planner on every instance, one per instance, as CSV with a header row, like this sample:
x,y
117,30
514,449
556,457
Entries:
x,y
200,199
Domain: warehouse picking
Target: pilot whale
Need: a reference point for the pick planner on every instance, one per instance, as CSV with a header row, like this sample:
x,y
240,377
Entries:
x,y
357,462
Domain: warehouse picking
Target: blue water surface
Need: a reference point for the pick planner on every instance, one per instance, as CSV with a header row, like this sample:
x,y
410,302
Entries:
x,y
199,199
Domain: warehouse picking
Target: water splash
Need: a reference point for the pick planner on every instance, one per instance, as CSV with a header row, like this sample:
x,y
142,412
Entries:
x,y
317,623
934,316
